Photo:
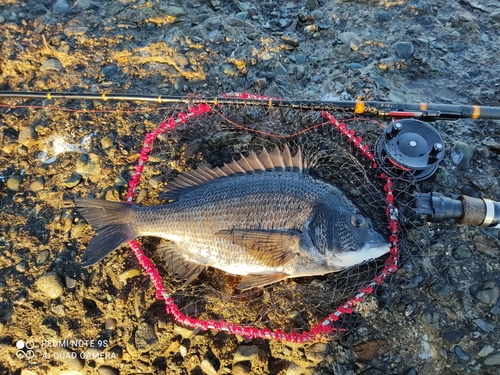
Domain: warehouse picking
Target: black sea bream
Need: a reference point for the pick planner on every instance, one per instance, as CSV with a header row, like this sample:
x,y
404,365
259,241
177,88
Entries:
x,y
263,217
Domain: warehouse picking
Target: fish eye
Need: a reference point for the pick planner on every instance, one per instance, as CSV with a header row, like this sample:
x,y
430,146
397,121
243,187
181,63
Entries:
x,y
358,221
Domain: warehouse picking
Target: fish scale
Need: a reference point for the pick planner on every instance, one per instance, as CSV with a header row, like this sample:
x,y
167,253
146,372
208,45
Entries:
x,y
262,217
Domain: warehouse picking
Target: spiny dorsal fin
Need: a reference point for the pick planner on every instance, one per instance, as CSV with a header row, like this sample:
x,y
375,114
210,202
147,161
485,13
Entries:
x,y
274,161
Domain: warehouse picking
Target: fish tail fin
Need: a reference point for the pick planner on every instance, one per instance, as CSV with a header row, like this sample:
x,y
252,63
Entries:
x,y
113,224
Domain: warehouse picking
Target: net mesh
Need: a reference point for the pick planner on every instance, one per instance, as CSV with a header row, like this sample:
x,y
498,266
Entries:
x,y
211,134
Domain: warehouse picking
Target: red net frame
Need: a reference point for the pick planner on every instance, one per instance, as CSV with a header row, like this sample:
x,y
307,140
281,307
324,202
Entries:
x,y
319,330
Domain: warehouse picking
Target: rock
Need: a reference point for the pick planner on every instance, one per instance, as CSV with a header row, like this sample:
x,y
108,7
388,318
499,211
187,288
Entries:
x,y
350,39
403,50
13,183
294,369
207,367
486,292
42,257
174,11
452,337
236,22
486,245
280,69
51,285
27,136
37,185
75,30
107,370
355,66
317,352
69,358
108,141
459,352
487,349
84,4
290,40
482,180
317,14
145,337
445,178
51,64
240,369
61,6
261,83
370,350
110,324
109,70
461,252
383,16
245,353
461,155
485,326
492,360
74,180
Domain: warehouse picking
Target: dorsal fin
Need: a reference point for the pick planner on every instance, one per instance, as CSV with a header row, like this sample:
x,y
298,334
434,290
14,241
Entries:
x,y
265,161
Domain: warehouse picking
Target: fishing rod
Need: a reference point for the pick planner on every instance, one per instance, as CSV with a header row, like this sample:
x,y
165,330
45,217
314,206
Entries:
x,y
422,111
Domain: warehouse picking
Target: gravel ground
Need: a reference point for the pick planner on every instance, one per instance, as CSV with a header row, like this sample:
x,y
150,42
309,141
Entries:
x,y
444,317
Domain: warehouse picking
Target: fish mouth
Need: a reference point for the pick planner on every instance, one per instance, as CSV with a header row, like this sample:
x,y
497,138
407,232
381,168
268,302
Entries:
x,y
370,250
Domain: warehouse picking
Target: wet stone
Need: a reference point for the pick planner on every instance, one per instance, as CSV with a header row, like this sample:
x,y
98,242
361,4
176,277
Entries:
x,y
51,64
246,353
492,360
145,337
459,352
50,284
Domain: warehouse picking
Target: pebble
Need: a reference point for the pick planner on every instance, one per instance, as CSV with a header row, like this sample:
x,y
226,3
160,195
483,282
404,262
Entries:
x,y
492,360
83,4
486,246
350,39
487,349
482,180
107,370
51,285
486,292
110,323
245,353
461,252
61,6
108,141
109,70
371,349
317,14
70,282
450,313
37,185
452,337
280,69
174,11
13,183
27,136
491,143
459,352
445,178
290,40
145,337
403,50
51,64
207,367
72,362
485,326
240,369
317,352
461,155
294,369
74,180
75,31
42,257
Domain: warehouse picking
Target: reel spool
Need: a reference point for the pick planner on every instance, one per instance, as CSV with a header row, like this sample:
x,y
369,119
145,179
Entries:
x,y
410,149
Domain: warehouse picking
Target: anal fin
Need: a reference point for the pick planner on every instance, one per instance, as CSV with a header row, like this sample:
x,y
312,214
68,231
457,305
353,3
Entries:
x,y
254,281
178,264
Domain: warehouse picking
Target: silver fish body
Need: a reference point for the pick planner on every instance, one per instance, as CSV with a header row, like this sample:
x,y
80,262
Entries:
x,y
261,217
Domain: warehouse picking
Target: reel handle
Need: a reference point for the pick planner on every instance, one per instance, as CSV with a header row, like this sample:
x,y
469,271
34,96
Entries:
x,y
465,210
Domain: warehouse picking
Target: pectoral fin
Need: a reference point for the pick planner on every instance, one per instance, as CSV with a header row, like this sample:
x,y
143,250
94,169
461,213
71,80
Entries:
x,y
274,248
177,264
254,281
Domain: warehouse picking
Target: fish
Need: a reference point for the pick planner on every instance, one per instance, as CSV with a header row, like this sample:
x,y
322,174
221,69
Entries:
x,y
262,217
